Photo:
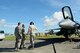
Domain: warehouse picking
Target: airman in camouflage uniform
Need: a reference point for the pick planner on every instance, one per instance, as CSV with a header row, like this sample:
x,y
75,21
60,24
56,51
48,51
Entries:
x,y
18,36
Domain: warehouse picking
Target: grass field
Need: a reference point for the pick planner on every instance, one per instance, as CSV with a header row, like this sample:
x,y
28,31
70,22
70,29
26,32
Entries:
x,y
9,37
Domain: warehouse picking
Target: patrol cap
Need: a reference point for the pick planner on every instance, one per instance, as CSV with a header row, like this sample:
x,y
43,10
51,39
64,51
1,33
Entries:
x,y
19,23
31,23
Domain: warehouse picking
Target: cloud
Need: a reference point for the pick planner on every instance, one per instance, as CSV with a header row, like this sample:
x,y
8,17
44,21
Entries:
x,y
48,21
2,21
6,25
53,19
58,15
10,25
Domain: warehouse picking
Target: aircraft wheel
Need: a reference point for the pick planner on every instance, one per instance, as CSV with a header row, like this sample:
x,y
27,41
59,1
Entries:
x,y
66,37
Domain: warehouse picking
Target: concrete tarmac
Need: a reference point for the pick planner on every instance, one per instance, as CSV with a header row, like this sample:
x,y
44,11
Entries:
x,y
41,46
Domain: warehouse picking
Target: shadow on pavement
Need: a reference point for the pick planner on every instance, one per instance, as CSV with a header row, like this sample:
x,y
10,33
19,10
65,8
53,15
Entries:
x,y
7,50
52,41
48,41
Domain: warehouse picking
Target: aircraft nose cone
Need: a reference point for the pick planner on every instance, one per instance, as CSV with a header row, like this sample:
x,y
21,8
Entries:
x,y
67,23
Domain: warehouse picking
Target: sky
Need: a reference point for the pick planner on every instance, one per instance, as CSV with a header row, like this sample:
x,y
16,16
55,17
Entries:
x,y
46,14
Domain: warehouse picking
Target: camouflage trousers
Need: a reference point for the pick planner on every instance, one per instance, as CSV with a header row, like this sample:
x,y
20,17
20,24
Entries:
x,y
17,43
32,40
22,43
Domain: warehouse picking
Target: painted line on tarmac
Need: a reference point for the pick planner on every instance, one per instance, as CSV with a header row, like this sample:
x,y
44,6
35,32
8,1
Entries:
x,y
54,47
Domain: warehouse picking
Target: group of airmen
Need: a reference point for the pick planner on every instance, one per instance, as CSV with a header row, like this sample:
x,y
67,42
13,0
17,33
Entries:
x,y
21,35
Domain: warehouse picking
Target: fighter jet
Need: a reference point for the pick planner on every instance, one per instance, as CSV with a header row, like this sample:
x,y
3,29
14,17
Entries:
x,y
68,26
